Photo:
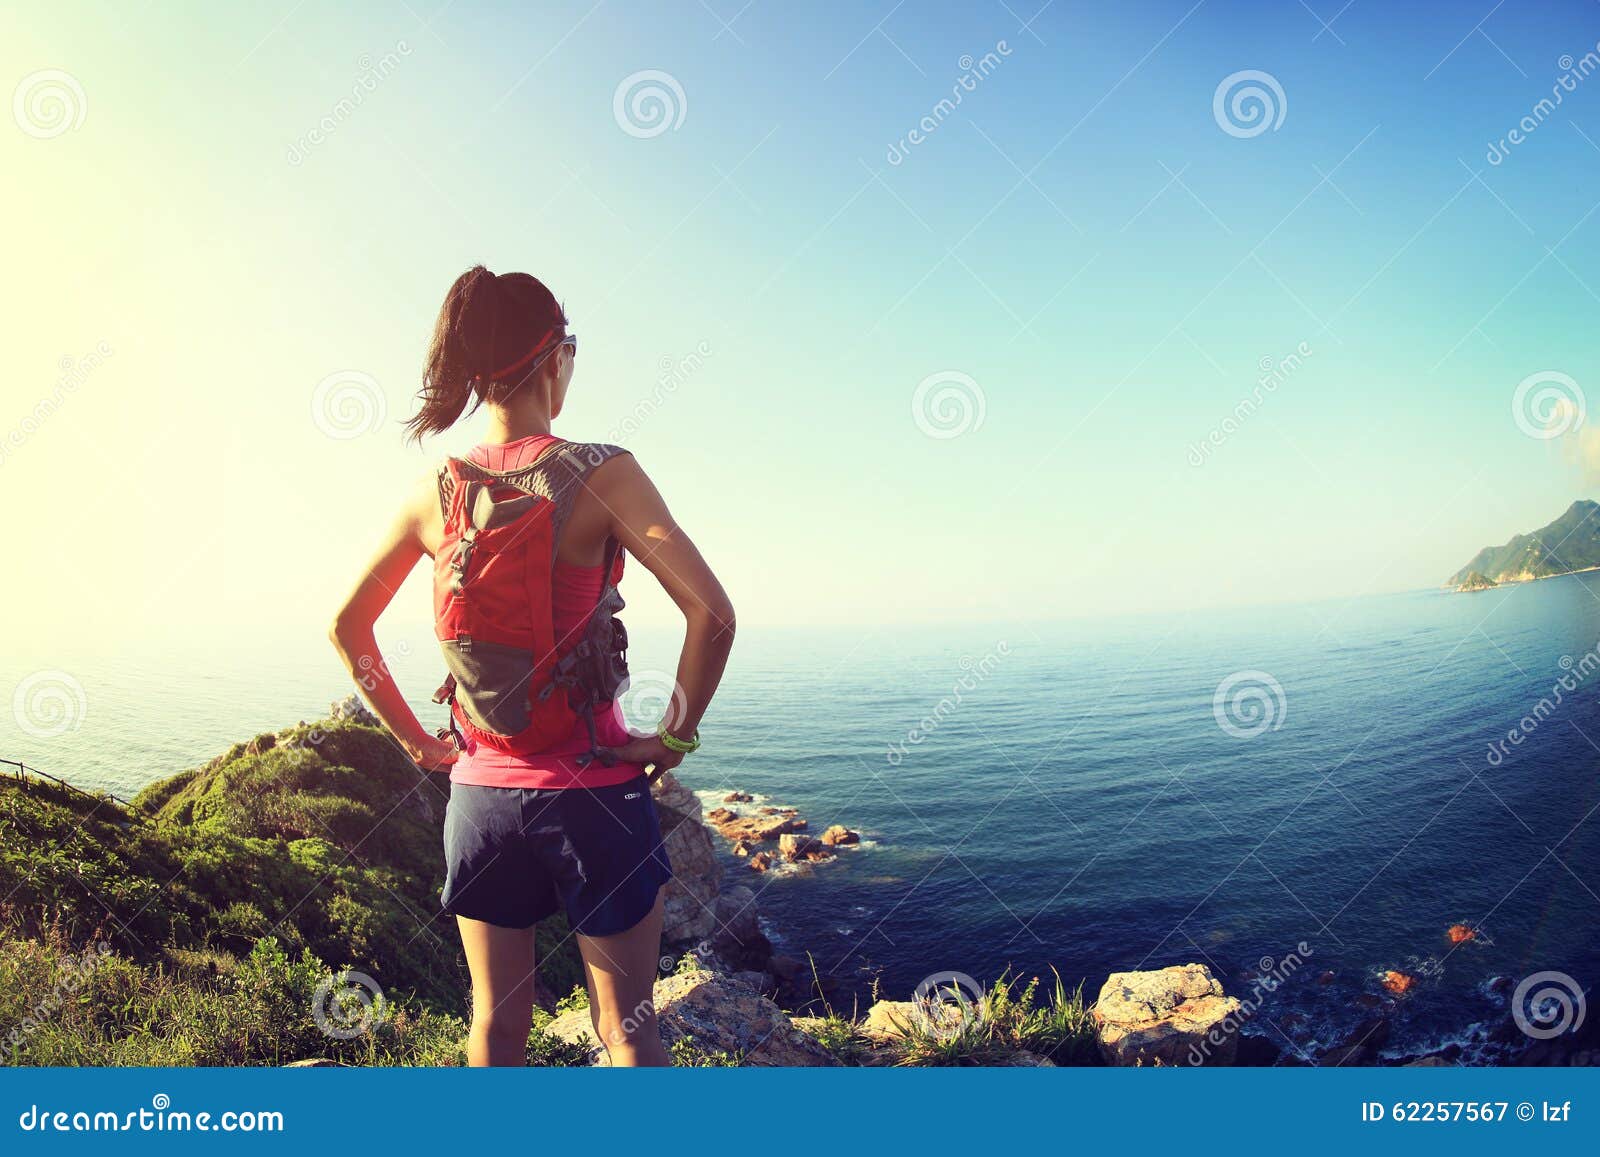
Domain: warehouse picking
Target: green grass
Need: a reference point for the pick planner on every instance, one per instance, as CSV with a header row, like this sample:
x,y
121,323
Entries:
x,y
1003,1021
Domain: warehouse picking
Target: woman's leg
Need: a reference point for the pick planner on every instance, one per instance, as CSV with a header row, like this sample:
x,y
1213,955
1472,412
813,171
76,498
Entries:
x,y
620,971
501,961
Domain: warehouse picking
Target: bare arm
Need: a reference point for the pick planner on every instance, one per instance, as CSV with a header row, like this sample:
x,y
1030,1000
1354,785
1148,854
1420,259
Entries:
x,y
353,636
640,520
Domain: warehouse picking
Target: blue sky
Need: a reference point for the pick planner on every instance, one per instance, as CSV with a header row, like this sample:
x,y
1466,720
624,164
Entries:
x,y
1080,244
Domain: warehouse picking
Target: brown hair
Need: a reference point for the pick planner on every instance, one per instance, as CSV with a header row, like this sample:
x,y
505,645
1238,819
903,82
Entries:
x,y
488,322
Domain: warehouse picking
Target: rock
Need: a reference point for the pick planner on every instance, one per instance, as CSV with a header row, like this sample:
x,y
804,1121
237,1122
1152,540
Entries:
x,y
794,847
760,862
778,811
838,834
752,829
1372,1033
261,743
722,1015
785,967
1344,1057
1023,1059
691,894
817,856
1325,978
1398,983
1460,933
755,980
1427,1063
1502,984
1368,1000
741,847
351,710
738,938
889,1020
1170,1016
738,797
1257,1051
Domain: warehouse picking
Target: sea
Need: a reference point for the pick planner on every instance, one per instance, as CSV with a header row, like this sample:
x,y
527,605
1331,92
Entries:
x,y
1306,798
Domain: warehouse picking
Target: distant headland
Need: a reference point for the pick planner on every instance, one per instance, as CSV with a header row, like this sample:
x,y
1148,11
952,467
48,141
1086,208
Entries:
x,y
1566,546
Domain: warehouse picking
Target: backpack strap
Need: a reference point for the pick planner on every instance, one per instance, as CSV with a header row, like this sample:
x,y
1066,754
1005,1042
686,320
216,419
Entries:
x,y
559,475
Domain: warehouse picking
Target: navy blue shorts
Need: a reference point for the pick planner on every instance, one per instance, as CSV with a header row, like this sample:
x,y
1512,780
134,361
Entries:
x,y
515,855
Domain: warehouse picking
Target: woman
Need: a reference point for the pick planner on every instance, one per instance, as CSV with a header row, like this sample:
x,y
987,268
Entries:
x,y
571,824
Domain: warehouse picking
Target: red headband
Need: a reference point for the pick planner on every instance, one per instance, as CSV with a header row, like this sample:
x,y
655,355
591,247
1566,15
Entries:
x,y
537,349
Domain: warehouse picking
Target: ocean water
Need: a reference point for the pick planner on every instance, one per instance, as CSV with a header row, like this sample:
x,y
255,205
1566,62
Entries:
x,y
1073,796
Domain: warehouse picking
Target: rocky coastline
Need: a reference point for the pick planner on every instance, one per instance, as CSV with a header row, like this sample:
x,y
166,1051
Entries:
x,y
309,855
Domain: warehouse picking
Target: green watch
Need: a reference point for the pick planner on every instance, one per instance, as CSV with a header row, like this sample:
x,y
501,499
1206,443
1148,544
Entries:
x,y
672,743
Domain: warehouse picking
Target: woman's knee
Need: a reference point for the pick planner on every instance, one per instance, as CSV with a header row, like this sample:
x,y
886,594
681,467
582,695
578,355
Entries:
x,y
502,1024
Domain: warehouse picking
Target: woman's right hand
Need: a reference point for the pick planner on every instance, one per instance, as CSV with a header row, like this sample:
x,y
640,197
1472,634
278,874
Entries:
x,y
433,754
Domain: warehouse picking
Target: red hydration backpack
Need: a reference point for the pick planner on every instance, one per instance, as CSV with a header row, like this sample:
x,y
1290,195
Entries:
x,y
513,685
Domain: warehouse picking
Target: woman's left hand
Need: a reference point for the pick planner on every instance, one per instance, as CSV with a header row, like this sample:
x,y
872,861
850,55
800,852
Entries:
x,y
649,751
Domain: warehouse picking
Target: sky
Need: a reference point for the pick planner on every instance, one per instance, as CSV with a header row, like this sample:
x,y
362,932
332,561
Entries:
x,y
988,370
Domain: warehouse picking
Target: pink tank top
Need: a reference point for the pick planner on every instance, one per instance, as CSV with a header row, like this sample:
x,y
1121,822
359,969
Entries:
x,y
575,590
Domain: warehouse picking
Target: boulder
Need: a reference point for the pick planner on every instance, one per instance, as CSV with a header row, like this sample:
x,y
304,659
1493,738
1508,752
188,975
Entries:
x,y
888,1020
1257,1051
752,829
738,797
352,710
1372,1033
1344,1057
838,834
795,847
738,937
1169,1016
691,894
760,862
721,1014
